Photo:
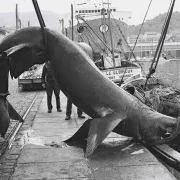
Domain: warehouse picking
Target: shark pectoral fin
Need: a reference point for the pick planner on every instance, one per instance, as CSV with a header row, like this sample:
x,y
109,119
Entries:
x,y
100,129
13,114
81,134
16,48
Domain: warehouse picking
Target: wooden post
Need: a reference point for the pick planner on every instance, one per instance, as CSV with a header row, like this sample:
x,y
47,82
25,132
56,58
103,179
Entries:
x,y
20,24
110,33
66,32
62,21
17,17
72,23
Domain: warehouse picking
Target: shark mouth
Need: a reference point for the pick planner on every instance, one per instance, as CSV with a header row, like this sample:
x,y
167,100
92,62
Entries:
x,y
17,68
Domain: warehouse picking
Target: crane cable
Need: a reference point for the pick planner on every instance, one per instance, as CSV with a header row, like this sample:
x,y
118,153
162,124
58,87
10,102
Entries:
x,y
132,52
124,39
141,27
126,43
95,42
42,24
94,33
155,60
92,39
168,21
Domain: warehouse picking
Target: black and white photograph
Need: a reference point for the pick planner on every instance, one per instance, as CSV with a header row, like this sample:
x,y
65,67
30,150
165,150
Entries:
x,y
90,90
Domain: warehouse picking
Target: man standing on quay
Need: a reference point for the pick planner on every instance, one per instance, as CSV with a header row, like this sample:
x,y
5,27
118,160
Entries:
x,y
88,50
49,81
69,109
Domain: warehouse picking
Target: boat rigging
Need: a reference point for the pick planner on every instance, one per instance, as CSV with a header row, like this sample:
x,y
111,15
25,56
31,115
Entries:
x,y
155,60
107,38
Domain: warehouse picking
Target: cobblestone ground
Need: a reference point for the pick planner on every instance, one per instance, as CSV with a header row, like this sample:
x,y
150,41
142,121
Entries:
x,y
20,101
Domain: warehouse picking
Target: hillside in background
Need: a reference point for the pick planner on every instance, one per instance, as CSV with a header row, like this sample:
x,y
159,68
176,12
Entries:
x,y
92,35
9,21
156,24
52,21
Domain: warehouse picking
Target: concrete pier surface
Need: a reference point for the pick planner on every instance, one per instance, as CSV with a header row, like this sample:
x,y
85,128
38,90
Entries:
x,y
44,156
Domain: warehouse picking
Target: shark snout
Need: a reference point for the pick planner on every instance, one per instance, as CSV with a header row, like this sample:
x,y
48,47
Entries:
x,y
171,130
161,130
176,130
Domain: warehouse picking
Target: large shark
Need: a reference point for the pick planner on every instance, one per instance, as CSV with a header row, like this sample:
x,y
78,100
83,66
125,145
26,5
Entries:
x,y
110,107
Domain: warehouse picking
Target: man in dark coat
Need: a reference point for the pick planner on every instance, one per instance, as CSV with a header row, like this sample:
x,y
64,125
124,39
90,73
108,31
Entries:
x,y
49,81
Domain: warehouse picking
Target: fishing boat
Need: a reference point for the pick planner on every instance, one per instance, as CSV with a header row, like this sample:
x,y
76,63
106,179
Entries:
x,y
99,24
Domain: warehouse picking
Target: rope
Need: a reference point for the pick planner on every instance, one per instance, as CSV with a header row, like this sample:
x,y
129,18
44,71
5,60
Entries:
x,y
42,24
115,24
114,28
95,42
131,51
165,30
95,34
141,26
161,42
136,40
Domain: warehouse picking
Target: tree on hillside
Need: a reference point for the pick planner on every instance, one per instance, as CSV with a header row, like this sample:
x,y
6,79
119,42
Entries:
x,y
156,24
2,31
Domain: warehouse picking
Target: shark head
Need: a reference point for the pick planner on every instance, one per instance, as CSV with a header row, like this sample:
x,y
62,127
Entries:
x,y
159,129
23,49
18,52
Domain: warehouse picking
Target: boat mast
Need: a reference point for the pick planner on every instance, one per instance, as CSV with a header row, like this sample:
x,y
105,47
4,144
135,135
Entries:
x,y
72,23
110,32
104,24
17,18
62,25
29,23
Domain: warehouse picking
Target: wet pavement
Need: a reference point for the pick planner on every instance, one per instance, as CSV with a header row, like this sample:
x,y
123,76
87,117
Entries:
x,y
44,156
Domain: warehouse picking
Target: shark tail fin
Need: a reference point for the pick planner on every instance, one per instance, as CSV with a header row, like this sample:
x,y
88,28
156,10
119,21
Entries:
x,y
81,134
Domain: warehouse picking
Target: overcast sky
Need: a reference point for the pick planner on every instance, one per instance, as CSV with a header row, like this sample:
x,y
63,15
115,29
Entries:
x,y
137,7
